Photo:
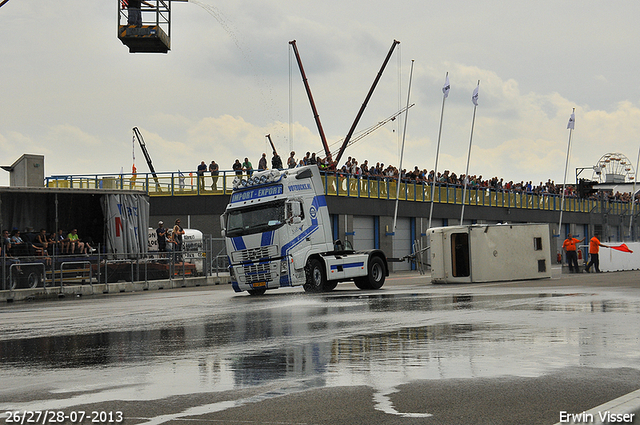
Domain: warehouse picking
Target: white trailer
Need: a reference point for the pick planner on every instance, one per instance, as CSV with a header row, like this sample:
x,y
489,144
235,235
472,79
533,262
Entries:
x,y
278,233
487,253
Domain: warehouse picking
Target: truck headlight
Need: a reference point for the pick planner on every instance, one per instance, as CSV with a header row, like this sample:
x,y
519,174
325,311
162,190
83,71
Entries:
x,y
283,267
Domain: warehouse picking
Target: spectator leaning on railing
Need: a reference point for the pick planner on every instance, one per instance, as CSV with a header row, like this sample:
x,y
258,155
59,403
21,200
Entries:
x,y
380,172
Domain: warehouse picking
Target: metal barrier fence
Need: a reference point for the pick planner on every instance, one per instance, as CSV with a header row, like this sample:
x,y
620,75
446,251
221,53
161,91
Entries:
x,y
39,272
30,275
337,184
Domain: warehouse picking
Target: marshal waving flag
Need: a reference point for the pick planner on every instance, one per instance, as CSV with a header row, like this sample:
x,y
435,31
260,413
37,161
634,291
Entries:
x,y
572,121
446,87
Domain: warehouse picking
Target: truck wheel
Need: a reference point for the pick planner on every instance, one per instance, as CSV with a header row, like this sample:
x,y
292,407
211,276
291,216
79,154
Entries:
x,y
361,283
259,291
316,279
375,276
330,285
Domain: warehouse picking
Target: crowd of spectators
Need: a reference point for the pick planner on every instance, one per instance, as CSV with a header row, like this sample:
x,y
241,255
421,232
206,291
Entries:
x,y
380,171
43,244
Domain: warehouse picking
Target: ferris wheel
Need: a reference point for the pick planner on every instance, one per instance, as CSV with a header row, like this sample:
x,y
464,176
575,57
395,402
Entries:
x,y
613,168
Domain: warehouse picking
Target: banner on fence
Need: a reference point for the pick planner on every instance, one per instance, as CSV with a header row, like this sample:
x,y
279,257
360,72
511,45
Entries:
x,y
126,222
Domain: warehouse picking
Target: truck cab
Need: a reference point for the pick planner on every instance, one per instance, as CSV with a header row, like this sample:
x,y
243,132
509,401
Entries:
x,y
278,233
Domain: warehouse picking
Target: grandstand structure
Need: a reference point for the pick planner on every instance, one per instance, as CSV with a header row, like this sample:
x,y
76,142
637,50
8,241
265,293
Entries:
x,y
362,210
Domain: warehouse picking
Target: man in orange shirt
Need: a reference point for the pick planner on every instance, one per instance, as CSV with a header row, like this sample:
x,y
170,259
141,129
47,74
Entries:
x,y
569,246
594,250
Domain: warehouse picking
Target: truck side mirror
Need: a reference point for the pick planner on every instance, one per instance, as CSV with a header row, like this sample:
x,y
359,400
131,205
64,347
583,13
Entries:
x,y
295,209
293,212
223,219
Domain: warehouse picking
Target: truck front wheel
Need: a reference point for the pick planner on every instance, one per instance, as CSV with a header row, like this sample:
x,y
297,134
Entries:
x,y
316,279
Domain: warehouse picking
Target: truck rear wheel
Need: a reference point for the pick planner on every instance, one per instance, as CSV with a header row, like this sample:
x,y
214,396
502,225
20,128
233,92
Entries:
x,y
375,275
316,280
330,285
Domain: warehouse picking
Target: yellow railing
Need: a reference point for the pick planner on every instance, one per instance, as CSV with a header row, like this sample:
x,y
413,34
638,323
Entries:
x,y
189,184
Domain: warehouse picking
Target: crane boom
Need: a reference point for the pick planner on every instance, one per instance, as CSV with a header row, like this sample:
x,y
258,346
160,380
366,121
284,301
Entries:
x,y
143,146
273,147
366,100
316,116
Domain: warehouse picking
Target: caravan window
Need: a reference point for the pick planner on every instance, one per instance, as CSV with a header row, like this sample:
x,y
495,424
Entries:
x,y
537,244
460,254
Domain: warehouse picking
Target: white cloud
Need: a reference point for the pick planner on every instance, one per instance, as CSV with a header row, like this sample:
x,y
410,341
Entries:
x,y
75,95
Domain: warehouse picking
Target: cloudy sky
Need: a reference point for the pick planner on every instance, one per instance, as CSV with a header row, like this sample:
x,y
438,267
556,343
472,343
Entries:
x,y
72,92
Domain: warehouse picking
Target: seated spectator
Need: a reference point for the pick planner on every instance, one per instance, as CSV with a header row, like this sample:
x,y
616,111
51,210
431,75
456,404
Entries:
x,y
6,243
59,242
74,242
42,241
20,247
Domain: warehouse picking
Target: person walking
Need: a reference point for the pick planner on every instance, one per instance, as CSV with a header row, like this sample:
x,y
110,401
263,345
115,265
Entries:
x,y
594,252
569,246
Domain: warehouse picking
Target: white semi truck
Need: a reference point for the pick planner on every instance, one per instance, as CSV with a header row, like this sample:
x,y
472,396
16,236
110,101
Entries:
x,y
278,233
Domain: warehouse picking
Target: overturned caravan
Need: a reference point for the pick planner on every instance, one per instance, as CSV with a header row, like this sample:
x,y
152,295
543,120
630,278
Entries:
x,y
278,233
487,253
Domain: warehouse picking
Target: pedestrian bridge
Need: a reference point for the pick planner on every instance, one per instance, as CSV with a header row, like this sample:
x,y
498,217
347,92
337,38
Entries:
x,y
337,184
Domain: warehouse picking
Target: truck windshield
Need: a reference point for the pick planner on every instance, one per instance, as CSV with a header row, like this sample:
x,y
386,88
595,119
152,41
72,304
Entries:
x,y
255,219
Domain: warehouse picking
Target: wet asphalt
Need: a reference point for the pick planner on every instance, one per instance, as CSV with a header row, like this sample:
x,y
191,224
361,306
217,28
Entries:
x,y
410,353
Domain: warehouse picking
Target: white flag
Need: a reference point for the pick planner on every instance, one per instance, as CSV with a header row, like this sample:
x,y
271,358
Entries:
x,y
446,87
474,97
572,121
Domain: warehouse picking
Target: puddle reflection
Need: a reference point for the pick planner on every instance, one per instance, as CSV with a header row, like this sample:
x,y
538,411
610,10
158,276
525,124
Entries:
x,y
374,340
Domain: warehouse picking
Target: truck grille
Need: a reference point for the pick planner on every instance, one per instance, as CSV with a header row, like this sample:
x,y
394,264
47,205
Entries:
x,y
257,264
260,272
254,254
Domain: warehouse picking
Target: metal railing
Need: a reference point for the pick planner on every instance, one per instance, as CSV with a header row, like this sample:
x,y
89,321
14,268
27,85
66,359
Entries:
x,y
40,272
344,185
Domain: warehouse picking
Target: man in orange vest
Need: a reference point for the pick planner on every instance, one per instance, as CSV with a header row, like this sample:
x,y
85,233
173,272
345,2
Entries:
x,y
569,246
594,250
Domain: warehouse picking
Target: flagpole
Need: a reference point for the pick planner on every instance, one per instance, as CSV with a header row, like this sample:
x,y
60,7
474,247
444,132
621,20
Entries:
x,y
466,173
566,166
404,134
445,93
633,198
